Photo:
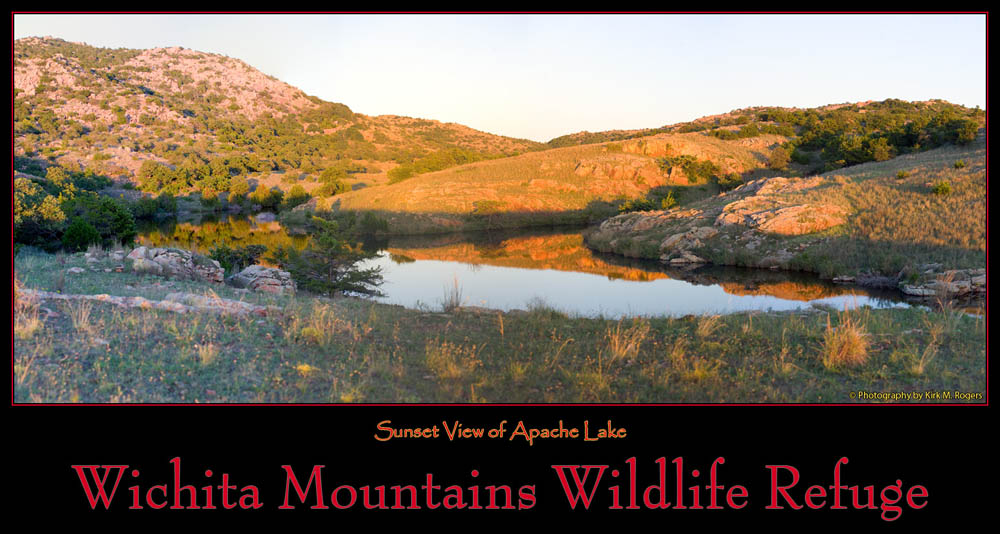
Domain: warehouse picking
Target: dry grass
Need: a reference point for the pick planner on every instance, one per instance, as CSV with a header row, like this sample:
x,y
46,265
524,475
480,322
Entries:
x,y
677,351
708,325
452,299
320,326
79,314
452,361
624,342
702,369
207,353
845,345
26,313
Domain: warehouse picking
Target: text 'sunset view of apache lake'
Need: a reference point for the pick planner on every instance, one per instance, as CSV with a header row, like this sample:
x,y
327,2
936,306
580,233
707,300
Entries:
x,y
499,209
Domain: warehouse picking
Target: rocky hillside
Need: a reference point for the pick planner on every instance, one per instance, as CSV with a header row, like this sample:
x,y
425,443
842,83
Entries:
x,y
917,221
110,110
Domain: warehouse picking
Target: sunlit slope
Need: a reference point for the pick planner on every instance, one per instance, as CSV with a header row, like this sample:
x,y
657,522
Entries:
x,y
554,185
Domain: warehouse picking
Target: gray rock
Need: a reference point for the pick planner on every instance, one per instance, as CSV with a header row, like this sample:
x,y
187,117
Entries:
x,y
176,263
266,279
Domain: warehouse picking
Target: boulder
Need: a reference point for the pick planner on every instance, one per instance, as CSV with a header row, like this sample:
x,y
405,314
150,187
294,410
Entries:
x,y
266,279
176,263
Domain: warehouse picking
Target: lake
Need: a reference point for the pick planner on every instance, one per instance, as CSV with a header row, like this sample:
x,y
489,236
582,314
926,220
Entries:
x,y
521,269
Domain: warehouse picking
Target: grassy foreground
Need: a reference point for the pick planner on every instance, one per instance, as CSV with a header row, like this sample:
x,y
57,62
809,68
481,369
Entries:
x,y
352,350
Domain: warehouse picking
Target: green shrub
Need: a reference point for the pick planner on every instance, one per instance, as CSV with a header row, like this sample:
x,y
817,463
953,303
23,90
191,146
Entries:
x,y
328,265
267,198
38,218
637,204
778,159
729,181
960,164
330,189
79,235
112,218
238,258
668,201
942,188
800,157
902,175
296,196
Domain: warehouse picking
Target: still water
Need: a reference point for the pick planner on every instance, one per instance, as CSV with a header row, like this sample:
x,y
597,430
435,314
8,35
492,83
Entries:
x,y
522,269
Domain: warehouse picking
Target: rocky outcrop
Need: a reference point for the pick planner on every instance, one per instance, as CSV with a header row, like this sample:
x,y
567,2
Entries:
x,y
933,283
266,279
174,302
764,208
176,263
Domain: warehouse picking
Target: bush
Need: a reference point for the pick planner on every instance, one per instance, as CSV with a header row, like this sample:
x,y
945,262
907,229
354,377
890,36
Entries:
x,y
668,201
960,164
267,198
941,188
779,159
695,170
297,195
902,175
328,265
800,157
238,188
330,189
111,218
236,259
38,218
637,204
79,235
729,181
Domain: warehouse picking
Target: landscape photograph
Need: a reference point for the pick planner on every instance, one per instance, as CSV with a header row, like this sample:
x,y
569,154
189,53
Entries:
x,y
526,209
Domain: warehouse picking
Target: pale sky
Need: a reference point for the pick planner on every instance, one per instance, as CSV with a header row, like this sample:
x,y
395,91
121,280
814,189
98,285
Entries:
x,y
541,76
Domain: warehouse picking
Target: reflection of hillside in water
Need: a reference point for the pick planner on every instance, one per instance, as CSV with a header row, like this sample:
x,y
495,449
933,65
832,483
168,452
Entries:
x,y
786,285
204,234
566,252
559,252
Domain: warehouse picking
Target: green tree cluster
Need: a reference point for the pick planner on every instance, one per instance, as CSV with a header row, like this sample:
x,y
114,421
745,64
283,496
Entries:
x,y
329,263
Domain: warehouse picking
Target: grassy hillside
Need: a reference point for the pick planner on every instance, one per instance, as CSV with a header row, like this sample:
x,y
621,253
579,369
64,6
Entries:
x,y
565,185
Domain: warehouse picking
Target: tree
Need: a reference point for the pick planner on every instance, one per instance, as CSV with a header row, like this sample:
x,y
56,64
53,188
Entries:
x,y
266,197
79,235
329,264
37,215
111,218
779,159
297,195
238,188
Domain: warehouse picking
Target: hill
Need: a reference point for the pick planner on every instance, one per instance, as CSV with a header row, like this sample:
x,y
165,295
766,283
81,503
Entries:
x,y
917,221
111,110
574,184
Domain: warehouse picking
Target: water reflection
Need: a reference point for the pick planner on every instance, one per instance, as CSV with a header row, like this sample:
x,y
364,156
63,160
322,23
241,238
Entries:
x,y
509,270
